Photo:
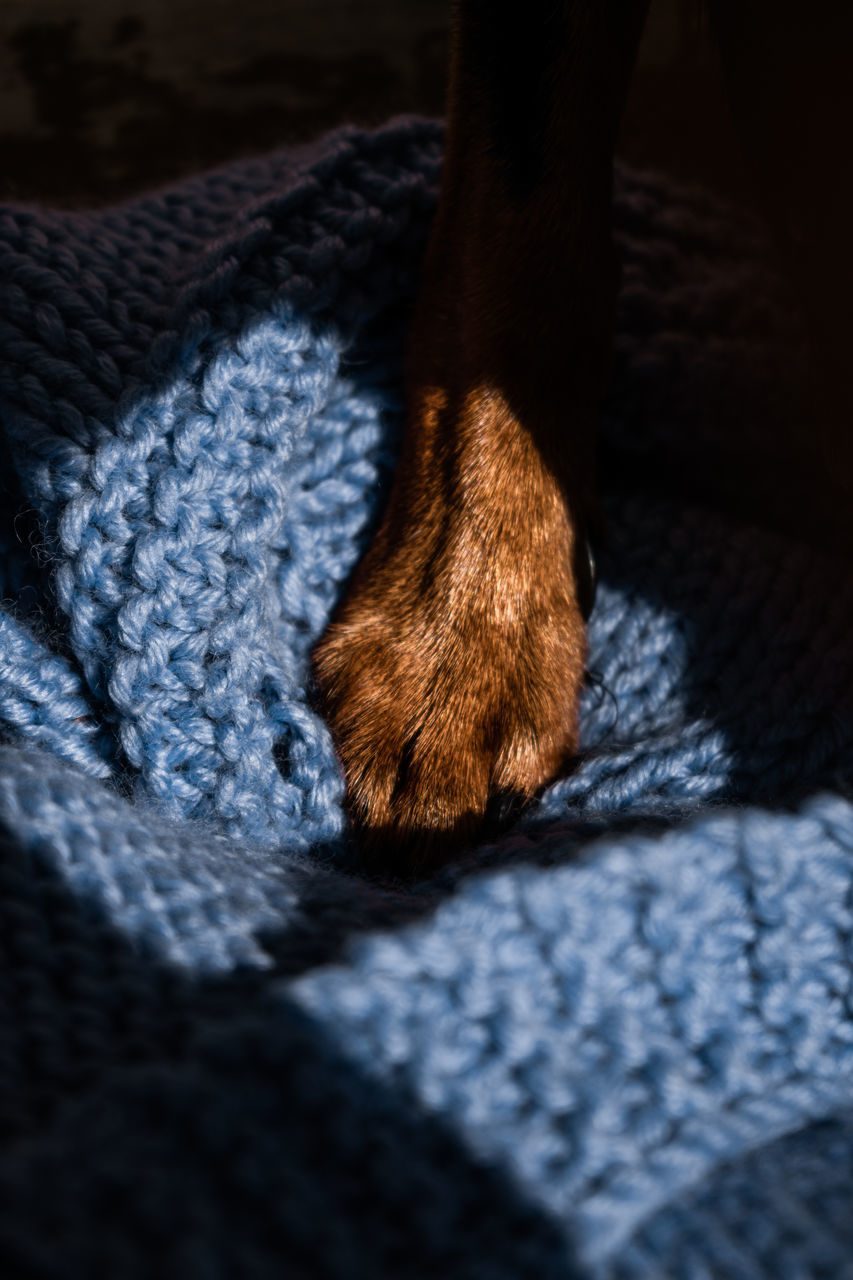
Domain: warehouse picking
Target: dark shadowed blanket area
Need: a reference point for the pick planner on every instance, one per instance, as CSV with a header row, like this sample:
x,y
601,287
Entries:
x,y
617,1042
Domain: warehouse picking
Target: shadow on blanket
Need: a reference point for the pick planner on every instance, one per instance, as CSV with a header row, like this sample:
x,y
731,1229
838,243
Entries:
x,y
157,1121
226,1041
156,1124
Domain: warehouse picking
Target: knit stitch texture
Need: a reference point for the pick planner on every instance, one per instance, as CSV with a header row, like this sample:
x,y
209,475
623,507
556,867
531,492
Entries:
x,y
617,1042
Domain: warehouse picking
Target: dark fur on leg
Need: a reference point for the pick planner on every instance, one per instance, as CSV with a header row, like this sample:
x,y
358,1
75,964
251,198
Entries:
x,y
452,669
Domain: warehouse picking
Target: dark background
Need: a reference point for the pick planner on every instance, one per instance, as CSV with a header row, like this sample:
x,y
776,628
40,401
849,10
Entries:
x,y
101,98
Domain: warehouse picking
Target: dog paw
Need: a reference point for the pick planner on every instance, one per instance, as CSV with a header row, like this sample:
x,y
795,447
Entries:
x,y
450,681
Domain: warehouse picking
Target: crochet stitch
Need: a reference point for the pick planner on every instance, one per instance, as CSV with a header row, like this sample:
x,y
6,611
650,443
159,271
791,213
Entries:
x,y
618,1042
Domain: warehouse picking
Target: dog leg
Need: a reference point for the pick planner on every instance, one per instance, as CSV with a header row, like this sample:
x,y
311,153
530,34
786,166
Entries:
x,y
450,674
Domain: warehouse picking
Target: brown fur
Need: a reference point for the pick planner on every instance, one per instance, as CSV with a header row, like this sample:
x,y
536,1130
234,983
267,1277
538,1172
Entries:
x,y
451,671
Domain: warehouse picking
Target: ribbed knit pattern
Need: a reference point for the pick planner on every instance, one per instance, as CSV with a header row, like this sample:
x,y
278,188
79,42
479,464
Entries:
x,y
616,1042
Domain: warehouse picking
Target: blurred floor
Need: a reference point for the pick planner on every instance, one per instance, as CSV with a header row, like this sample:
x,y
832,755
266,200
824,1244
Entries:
x,y
100,98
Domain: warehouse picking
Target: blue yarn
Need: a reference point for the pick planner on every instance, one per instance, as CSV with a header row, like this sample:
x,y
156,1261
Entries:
x,y
43,701
618,1042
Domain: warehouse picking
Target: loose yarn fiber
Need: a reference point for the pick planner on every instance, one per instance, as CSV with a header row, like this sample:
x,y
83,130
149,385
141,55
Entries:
x,y
618,1042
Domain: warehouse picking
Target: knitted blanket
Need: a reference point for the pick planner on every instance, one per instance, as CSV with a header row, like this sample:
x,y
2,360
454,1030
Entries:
x,y
617,1042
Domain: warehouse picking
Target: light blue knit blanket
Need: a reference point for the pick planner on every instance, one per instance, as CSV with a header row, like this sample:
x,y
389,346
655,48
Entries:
x,y
617,1042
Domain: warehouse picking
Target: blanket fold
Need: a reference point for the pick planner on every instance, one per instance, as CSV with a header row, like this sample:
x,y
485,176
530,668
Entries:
x,y
617,1042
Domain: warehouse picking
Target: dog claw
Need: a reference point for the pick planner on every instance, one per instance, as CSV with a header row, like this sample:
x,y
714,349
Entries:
x,y
503,810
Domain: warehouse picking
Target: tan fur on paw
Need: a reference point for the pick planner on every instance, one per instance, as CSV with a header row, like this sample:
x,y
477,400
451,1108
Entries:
x,y
450,674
